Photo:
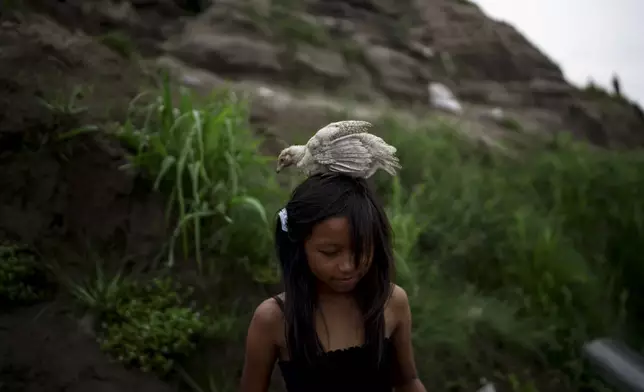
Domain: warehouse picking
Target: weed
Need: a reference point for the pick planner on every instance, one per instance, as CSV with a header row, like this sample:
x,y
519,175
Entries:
x,y
97,295
65,122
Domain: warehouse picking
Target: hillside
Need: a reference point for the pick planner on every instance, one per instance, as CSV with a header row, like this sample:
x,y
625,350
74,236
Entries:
x,y
125,218
370,51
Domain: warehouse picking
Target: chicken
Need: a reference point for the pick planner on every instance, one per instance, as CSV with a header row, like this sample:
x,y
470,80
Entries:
x,y
344,147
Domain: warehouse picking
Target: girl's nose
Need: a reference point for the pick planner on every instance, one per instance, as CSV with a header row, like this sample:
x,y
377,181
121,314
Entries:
x,y
347,265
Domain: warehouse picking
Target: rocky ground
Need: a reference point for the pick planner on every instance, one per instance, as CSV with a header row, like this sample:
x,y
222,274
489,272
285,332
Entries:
x,y
302,68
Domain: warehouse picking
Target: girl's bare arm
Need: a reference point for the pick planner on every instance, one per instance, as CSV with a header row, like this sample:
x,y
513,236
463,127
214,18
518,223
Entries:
x,y
261,347
402,341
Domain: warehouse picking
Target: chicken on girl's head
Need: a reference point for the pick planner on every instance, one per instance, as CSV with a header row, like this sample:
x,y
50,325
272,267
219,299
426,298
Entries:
x,y
342,147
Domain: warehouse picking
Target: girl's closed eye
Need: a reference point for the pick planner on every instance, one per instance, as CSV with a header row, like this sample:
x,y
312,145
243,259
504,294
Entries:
x,y
330,252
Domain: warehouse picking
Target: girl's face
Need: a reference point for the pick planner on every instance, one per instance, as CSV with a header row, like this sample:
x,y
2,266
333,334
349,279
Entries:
x,y
330,255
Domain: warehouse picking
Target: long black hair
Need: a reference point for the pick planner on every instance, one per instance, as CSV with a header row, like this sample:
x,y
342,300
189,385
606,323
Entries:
x,y
316,199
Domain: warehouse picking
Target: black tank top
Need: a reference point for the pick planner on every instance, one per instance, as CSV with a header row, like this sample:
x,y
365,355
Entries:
x,y
344,370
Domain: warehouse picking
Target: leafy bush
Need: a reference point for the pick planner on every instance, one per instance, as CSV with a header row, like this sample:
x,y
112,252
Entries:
x,y
150,327
145,325
22,280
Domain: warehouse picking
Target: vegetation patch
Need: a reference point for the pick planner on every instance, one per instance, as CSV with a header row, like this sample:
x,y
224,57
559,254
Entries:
x,y
204,157
536,253
148,325
511,264
22,278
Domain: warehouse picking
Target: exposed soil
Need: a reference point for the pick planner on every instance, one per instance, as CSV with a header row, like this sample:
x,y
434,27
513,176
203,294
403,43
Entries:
x,y
44,350
72,190
65,195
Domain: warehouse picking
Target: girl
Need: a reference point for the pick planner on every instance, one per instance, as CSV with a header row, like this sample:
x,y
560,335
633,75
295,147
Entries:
x,y
340,325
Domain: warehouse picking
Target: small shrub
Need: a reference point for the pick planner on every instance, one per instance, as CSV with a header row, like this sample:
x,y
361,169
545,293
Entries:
x,y
145,325
22,280
151,328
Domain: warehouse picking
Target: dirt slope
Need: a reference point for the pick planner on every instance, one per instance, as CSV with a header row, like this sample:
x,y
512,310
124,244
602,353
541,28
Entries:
x,y
62,196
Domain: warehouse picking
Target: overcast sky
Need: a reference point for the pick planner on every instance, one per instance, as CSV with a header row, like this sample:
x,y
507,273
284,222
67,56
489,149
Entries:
x,y
587,38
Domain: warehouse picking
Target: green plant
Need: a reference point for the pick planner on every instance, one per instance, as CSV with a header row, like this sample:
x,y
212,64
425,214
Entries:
x,y
407,229
65,122
535,248
204,157
145,325
100,294
22,280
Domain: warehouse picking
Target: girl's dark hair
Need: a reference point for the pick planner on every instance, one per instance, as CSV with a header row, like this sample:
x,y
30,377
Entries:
x,y
318,198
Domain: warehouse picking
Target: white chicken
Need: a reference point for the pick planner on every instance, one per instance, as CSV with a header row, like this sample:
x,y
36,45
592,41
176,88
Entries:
x,y
343,147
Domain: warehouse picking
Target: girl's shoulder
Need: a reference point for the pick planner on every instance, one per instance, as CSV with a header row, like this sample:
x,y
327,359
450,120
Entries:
x,y
271,309
398,295
398,303
269,315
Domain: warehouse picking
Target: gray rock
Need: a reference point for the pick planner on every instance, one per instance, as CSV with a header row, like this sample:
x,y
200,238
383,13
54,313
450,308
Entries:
x,y
323,62
227,54
399,74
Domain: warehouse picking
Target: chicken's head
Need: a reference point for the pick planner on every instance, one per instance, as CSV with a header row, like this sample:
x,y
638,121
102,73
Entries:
x,y
285,159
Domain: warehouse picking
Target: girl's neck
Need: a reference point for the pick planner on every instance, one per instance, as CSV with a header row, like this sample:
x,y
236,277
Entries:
x,y
326,294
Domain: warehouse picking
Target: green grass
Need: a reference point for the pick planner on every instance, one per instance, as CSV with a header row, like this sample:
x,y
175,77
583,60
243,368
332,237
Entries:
x,y
511,264
205,158
545,248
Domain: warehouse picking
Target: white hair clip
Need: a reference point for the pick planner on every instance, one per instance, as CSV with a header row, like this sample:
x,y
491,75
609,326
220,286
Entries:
x,y
284,219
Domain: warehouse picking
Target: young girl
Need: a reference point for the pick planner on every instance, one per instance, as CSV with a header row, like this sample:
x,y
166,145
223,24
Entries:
x,y
340,325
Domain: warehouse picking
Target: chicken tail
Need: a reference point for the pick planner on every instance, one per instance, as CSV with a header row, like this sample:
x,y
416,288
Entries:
x,y
390,164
